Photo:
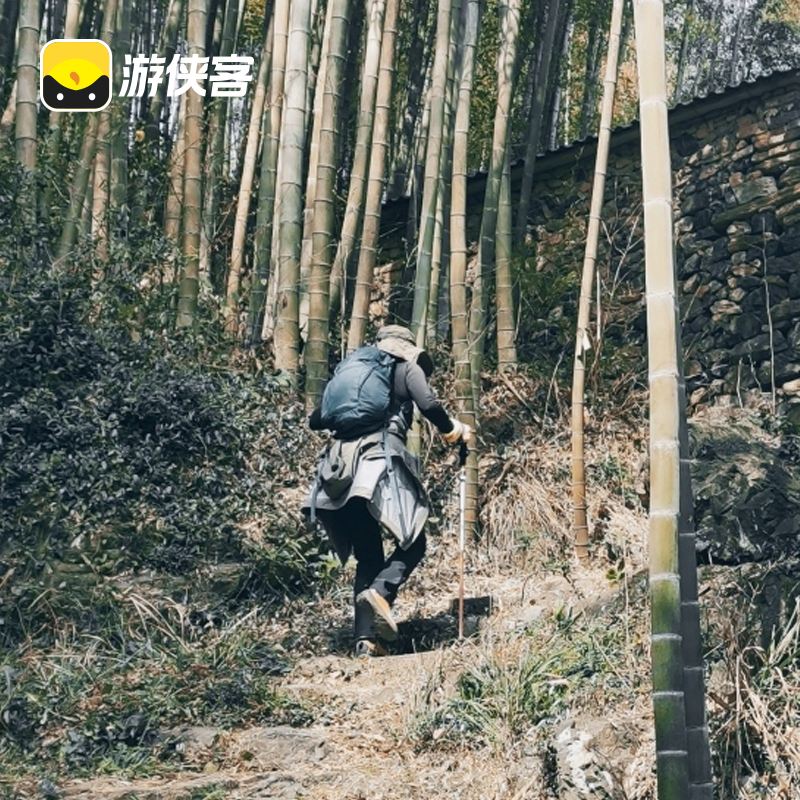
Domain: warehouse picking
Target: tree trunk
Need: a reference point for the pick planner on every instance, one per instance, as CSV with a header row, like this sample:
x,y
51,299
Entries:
x,y
590,77
102,166
458,250
663,358
582,340
27,99
8,120
166,49
368,254
683,54
439,298
536,117
217,120
506,329
174,203
100,188
119,129
57,117
78,188
361,158
83,171
418,61
267,201
317,349
243,204
433,176
555,95
307,252
290,231
189,288
509,32
9,15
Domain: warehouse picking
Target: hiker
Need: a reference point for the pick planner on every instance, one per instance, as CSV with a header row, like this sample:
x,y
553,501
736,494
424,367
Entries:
x,y
369,482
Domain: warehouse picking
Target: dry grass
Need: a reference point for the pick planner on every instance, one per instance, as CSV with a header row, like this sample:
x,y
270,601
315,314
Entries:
x,y
753,690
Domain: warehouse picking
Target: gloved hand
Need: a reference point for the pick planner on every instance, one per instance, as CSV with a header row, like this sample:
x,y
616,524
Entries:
x,y
461,432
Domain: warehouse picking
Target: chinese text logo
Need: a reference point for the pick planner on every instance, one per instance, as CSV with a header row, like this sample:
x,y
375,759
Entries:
x,y
229,77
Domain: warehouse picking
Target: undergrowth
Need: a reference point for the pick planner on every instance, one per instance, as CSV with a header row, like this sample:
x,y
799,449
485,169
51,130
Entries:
x,y
516,690
116,701
141,514
123,451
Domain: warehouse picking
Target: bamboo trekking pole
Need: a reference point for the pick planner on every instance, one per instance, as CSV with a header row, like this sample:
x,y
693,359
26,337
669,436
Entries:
x,y
463,452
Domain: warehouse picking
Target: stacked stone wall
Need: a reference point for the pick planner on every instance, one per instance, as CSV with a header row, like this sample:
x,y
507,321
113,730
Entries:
x,y
736,190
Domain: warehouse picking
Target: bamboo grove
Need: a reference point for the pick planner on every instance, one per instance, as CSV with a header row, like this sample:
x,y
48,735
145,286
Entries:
x,y
268,200
265,203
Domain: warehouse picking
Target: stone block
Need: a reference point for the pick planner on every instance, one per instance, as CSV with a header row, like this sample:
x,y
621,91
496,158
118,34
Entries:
x,y
690,243
742,243
782,265
765,222
746,326
745,211
791,387
742,153
719,249
786,118
738,228
725,308
763,247
793,337
779,151
778,163
753,188
697,201
737,295
750,126
745,272
785,370
755,300
691,283
702,218
789,176
787,212
760,347
787,309
690,265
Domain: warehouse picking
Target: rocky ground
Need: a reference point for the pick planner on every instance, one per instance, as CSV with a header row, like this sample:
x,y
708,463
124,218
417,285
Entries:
x,y
404,727
362,744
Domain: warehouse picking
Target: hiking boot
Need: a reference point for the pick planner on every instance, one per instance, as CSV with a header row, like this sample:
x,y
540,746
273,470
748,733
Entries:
x,y
367,649
382,620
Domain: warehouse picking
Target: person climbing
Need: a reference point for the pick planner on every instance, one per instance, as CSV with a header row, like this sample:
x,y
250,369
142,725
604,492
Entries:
x,y
367,481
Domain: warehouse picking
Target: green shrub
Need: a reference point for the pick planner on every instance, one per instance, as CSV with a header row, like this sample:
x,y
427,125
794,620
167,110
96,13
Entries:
x,y
124,453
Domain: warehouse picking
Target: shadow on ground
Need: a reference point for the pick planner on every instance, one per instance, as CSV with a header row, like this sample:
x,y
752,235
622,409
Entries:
x,y
419,635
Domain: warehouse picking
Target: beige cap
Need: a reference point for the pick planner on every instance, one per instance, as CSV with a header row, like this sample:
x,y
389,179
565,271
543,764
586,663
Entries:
x,y
400,342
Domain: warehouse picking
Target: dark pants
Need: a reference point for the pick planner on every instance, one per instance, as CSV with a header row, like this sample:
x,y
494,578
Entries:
x,y
373,570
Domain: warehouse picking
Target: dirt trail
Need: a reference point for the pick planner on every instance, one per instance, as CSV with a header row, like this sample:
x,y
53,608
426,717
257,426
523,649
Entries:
x,y
359,747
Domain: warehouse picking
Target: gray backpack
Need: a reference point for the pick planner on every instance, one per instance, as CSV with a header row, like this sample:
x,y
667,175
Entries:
x,y
358,398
